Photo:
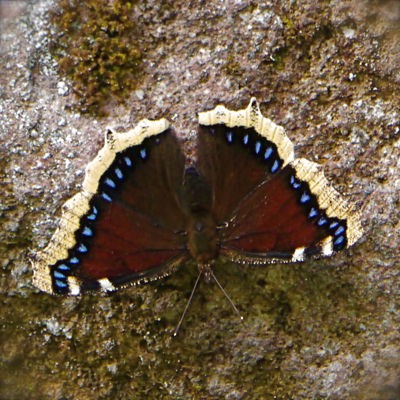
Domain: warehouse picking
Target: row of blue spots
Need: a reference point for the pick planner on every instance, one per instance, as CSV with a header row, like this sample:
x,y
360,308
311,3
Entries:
x,y
60,274
339,234
63,270
111,182
306,198
295,183
337,230
305,195
129,163
334,227
269,155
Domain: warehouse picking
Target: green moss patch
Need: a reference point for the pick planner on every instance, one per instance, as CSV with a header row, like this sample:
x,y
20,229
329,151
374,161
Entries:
x,y
96,48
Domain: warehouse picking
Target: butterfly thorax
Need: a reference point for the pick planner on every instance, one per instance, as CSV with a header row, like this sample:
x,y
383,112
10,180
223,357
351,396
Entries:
x,y
202,238
200,225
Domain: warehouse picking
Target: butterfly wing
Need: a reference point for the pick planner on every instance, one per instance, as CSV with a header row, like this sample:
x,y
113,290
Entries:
x,y
269,208
283,219
230,155
126,225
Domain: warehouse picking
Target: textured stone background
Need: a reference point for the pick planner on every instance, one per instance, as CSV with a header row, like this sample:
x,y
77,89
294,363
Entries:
x,y
328,72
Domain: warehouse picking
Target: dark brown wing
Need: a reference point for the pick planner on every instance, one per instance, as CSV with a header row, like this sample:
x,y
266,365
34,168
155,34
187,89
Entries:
x,y
132,227
268,207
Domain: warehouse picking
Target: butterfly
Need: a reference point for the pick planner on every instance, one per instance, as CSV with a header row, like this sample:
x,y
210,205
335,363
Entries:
x,y
142,212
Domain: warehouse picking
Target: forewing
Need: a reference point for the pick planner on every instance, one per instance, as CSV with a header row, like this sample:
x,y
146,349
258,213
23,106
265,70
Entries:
x,y
237,151
126,225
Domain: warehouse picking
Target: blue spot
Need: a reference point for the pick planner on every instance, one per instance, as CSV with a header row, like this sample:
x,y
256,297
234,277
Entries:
x,y
119,173
110,182
339,230
58,275
212,130
63,267
268,153
60,284
74,260
313,213
105,196
92,217
87,231
82,248
128,161
322,221
229,137
143,154
257,147
333,225
304,198
295,183
275,166
338,241
246,139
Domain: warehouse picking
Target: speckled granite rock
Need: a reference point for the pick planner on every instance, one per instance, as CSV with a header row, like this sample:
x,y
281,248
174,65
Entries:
x,y
328,72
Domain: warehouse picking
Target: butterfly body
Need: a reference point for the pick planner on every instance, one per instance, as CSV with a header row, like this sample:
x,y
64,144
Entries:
x,y
202,241
141,214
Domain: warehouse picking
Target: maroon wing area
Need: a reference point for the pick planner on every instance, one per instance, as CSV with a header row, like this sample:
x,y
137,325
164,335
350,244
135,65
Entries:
x,y
134,230
127,242
274,220
233,162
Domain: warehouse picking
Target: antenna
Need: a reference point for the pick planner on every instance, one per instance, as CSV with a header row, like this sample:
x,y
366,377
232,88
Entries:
x,y
188,303
208,273
226,294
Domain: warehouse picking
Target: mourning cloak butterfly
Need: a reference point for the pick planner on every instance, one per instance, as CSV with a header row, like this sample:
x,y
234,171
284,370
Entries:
x,y
141,214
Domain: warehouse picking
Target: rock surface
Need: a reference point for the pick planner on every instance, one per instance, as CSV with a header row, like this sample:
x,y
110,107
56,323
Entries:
x,y
329,73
